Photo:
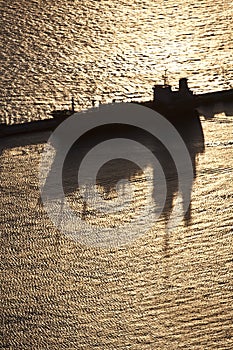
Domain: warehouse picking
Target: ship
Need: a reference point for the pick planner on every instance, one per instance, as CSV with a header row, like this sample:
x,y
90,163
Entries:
x,y
177,106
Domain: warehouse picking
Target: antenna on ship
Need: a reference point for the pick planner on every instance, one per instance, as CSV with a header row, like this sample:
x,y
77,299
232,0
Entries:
x,y
165,77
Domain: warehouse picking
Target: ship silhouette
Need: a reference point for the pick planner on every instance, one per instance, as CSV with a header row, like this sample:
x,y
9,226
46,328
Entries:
x,y
179,107
176,106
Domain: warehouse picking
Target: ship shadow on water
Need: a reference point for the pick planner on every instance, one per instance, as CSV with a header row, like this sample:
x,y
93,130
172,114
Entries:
x,y
116,170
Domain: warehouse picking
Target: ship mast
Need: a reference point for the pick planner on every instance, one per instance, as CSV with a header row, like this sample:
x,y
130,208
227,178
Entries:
x,y
165,78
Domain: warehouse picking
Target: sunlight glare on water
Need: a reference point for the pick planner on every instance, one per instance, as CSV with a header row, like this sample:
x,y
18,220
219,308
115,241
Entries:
x,y
164,290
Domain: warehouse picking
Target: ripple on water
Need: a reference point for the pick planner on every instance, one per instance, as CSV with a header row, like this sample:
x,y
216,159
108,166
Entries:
x,y
51,52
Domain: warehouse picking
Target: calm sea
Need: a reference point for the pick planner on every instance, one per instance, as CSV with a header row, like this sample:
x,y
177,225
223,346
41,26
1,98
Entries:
x,y
162,291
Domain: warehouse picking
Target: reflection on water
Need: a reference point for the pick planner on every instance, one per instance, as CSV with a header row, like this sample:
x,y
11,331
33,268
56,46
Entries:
x,y
160,291
164,291
116,170
113,172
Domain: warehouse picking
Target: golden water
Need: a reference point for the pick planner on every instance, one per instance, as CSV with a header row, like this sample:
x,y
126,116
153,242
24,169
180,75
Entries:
x,y
162,291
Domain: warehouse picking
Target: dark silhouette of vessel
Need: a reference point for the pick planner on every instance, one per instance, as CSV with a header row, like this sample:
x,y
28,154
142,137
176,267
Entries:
x,y
176,106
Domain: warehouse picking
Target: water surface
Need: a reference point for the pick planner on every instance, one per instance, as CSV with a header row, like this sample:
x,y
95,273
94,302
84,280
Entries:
x,y
163,291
